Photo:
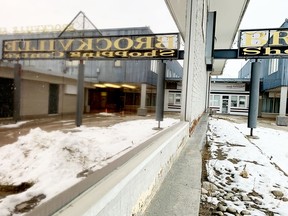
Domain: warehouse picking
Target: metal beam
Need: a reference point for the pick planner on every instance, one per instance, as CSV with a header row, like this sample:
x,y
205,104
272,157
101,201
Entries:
x,y
217,54
226,54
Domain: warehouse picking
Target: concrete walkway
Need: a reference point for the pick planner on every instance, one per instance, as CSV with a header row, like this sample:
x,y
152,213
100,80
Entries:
x,y
180,192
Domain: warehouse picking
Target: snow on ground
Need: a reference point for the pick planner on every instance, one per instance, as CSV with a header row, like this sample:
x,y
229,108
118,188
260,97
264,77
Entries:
x,y
52,160
250,166
16,125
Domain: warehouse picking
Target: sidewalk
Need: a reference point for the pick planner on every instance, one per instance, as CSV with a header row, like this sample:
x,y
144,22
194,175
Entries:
x,y
179,194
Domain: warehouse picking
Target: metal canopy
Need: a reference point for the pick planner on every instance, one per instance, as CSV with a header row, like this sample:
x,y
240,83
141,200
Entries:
x,y
229,16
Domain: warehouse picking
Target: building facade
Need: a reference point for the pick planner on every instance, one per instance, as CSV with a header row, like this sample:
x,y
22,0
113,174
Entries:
x,y
50,86
229,96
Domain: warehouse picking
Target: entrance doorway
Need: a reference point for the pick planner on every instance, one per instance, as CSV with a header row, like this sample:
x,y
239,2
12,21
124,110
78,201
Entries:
x,y
106,99
6,97
53,98
225,104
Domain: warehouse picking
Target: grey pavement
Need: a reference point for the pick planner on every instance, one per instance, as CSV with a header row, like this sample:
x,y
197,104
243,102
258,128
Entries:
x,y
180,192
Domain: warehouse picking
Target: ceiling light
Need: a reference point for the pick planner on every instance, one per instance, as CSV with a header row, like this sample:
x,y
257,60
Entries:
x,y
128,86
100,85
111,85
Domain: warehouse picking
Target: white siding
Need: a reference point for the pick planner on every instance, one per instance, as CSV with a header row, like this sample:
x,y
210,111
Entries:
x,y
195,75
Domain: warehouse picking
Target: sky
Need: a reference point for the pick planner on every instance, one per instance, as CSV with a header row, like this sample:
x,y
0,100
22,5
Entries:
x,y
129,13
52,160
103,13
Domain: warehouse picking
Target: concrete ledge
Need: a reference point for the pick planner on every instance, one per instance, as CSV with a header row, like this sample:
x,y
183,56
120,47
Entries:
x,y
126,190
282,120
141,111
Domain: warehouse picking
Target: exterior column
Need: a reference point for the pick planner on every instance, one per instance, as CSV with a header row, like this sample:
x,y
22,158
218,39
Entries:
x,y
160,92
282,119
254,95
80,94
283,101
142,111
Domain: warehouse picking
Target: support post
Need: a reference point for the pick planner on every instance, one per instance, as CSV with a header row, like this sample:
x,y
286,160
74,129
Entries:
x,y
80,94
282,119
17,92
254,95
160,92
142,110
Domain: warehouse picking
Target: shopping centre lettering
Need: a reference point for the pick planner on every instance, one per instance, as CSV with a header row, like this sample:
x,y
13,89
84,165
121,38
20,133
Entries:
x,y
263,43
140,46
36,29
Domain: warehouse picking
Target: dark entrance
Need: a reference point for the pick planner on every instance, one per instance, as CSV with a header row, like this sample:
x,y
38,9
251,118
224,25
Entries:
x,y
106,99
53,98
6,97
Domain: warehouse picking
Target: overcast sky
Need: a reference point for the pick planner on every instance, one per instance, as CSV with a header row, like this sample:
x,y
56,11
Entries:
x,y
103,13
128,13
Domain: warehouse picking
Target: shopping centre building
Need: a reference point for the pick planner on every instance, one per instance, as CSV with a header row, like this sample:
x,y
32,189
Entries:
x,y
49,87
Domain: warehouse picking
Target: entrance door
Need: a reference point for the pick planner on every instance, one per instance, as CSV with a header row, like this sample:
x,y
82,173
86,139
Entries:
x,y
6,97
225,104
53,98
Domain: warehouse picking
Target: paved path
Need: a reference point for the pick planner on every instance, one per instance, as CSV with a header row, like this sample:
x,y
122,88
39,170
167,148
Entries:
x,y
180,192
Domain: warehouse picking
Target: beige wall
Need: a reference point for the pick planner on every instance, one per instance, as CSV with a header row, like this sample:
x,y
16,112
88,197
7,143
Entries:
x,y
35,92
34,98
67,102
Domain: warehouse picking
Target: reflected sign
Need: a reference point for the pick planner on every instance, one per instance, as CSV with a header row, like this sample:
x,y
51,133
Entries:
x,y
263,43
156,46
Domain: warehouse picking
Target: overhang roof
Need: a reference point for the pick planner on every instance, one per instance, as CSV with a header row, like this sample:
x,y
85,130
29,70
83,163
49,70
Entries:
x,y
228,18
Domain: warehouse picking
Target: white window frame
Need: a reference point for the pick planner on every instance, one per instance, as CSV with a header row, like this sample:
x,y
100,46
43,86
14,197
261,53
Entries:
x,y
273,65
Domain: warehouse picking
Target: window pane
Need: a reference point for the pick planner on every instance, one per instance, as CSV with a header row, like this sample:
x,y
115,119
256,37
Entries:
x,y
242,101
171,98
234,101
273,64
178,99
214,100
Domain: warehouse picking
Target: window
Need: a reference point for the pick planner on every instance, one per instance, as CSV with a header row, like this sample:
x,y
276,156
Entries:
x,y
174,99
171,99
214,100
178,99
117,63
242,101
234,101
153,66
273,65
